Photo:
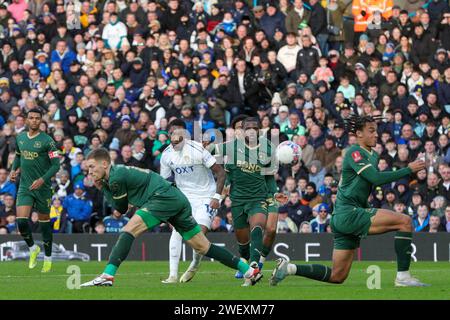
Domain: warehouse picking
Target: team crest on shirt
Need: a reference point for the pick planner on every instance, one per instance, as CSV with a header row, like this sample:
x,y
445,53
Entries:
x,y
356,156
37,144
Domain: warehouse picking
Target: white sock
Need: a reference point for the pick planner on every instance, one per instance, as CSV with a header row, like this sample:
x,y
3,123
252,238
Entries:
x,y
47,258
401,275
262,259
196,259
174,252
33,247
291,269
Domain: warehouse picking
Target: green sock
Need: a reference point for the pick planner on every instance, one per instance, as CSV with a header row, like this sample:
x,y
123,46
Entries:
x,y
119,253
256,236
227,258
403,250
24,229
317,272
265,250
244,250
47,236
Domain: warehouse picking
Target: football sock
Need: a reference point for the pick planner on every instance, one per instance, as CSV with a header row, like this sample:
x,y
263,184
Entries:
x,y
256,236
175,244
227,258
264,253
119,253
47,236
403,250
24,229
197,258
244,250
317,272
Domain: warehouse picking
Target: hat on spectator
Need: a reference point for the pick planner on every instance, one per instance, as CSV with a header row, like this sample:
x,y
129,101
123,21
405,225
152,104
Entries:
x,y
192,83
441,50
417,88
186,106
396,7
370,45
79,185
324,206
276,99
390,45
339,125
41,53
202,105
223,70
3,7
138,60
58,132
258,8
291,85
283,108
363,37
31,27
125,118
360,66
4,81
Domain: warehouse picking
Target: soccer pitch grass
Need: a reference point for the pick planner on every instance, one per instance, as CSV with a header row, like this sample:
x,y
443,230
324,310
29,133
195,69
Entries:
x,y
142,280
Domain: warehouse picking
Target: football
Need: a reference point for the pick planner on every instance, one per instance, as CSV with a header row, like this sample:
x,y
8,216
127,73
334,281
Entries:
x,y
288,152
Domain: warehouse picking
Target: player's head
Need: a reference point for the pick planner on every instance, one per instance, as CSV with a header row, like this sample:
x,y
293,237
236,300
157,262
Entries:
x,y
236,124
34,119
177,133
98,162
364,128
251,126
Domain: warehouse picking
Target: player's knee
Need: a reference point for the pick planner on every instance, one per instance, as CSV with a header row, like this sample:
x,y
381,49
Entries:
x,y
338,278
406,224
270,231
202,247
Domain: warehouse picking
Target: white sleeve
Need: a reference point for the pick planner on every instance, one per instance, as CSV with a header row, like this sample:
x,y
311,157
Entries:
x,y
208,159
161,113
165,170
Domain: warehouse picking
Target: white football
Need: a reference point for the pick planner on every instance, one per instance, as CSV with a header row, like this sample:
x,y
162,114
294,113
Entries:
x,y
288,152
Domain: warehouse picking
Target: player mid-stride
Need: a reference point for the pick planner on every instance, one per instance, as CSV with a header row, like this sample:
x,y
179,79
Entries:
x,y
353,219
157,201
193,167
37,160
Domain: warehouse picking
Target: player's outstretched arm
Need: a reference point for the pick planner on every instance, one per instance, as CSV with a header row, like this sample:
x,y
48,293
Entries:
x,y
379,178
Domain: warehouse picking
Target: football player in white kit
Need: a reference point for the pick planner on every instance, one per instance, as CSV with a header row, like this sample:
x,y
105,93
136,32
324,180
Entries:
x,y
193,168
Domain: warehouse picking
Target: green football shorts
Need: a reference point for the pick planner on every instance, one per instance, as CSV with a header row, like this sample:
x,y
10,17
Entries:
x,y
349,225
173,207
40,199
272,206
242,211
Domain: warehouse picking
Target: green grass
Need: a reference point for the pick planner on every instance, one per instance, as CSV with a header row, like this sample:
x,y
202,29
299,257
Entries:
x,y
141,280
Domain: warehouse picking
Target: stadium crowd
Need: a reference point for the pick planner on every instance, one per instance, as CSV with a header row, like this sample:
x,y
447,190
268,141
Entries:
x,y
113,74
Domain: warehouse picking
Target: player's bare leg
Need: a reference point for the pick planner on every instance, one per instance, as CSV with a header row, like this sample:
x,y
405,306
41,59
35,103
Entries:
x,y
196,259
384,221
47,239
342,263
23,214
270,232
135,227
203,246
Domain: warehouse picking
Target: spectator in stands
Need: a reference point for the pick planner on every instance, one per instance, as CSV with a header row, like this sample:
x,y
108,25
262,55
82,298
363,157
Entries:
x,y
79,209
285,224
58,216
99,227
435,225
217,225
115,222
421,221
305,227
6,186
320,223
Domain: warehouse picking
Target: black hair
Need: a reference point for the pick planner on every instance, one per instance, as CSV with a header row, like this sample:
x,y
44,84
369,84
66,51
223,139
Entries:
x,y
34,110
176,123
251,119
237,119
357,123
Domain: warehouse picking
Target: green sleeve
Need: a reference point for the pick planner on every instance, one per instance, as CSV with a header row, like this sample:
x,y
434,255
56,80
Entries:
x,y
53,154
378,178
16,162
271,185
119,192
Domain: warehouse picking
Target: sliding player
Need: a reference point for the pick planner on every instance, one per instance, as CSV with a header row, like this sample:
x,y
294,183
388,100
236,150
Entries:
x,y
353,218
